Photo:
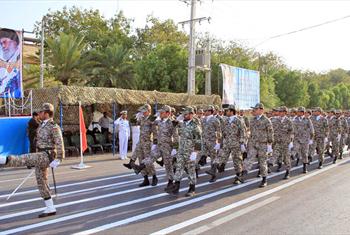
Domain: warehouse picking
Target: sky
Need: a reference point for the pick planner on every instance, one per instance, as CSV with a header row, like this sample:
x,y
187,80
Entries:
x,y
249,22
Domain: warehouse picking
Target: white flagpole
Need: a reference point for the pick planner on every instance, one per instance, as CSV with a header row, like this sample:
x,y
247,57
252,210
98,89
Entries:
x,y
81,164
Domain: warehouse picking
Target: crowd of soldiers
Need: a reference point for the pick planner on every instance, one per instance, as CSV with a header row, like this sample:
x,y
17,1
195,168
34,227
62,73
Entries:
x,y
184,142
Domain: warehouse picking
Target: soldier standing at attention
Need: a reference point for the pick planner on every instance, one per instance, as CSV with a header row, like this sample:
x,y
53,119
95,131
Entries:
x,y
321,134
211,140
189,145
260,142
304,134
50,152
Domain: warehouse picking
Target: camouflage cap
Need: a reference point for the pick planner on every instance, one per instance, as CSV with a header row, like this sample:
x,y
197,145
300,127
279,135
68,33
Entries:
x,y
293,110
308,111
277,109
47,107
301,109
165,108
187,110
210,108
231,107
283,109
318,109
124,112
145,108
258,106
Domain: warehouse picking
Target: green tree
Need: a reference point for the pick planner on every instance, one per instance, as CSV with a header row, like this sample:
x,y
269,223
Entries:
x,y
65,59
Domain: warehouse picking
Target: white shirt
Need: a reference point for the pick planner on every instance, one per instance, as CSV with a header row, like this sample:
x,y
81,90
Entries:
x,y
122,125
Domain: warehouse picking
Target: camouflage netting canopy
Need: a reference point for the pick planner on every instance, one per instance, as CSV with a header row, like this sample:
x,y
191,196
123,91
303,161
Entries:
x,y
103,98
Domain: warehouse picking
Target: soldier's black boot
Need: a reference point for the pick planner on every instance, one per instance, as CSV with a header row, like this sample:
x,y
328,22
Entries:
x,y
221,168
335,159
154,180
130,164
212,172
286,176
238,179
263,182
176,188
145,181
297,163
292,157
191,191
169,185
258,175
160,163
305,168
138,168
203,160
320,165
309,158
279,167
244,155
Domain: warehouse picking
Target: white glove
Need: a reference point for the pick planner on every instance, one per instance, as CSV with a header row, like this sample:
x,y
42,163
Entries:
x,y
269,148
55,163
243,149
290,146
193,156
173,152
139,115
325,140
311,142
338,137
217,147
180,118
154,147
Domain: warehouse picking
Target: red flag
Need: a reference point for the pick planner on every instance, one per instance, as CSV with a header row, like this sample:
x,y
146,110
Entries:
x,y
82,130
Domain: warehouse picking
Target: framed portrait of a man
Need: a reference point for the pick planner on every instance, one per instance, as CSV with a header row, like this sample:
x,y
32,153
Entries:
x,y
10,63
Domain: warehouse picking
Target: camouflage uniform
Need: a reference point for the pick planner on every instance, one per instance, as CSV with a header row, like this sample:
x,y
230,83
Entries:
x,y
344,135
143,147
233,137
283,135
165,138
261,132
304,132
321,127
189,141
335,129
211,136
50,146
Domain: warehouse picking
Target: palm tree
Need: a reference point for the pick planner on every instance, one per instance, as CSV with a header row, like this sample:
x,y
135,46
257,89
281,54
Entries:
x,y
113,67
66,59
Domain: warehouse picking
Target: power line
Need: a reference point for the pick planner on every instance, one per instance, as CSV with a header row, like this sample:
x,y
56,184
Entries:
x,y
302,29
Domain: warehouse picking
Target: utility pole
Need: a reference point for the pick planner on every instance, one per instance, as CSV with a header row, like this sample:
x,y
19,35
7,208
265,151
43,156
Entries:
x,y
191,81
208,71
42,54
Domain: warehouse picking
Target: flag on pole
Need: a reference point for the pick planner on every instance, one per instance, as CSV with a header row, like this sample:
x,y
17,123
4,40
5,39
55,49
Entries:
x,y
82,130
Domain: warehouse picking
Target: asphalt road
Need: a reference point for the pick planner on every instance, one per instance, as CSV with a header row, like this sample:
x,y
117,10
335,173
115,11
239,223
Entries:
x,y
105,199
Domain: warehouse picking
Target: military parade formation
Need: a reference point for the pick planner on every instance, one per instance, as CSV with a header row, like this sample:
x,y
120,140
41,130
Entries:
x,y
185,142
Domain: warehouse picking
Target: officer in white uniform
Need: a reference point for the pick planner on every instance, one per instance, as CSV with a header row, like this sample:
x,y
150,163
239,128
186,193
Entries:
x,y
123,128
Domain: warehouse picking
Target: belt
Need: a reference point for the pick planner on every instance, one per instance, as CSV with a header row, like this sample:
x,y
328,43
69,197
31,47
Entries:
x,y
47,150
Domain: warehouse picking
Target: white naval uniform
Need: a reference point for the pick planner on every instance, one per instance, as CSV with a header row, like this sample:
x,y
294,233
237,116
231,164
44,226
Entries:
x,y
123,127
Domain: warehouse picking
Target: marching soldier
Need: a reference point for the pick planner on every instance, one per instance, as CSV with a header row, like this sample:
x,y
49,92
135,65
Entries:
x,y
304,134
211,140
335,130
165,138
321,127
260,142
283,136
50,153
233,143
344,134
144,148
189,145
